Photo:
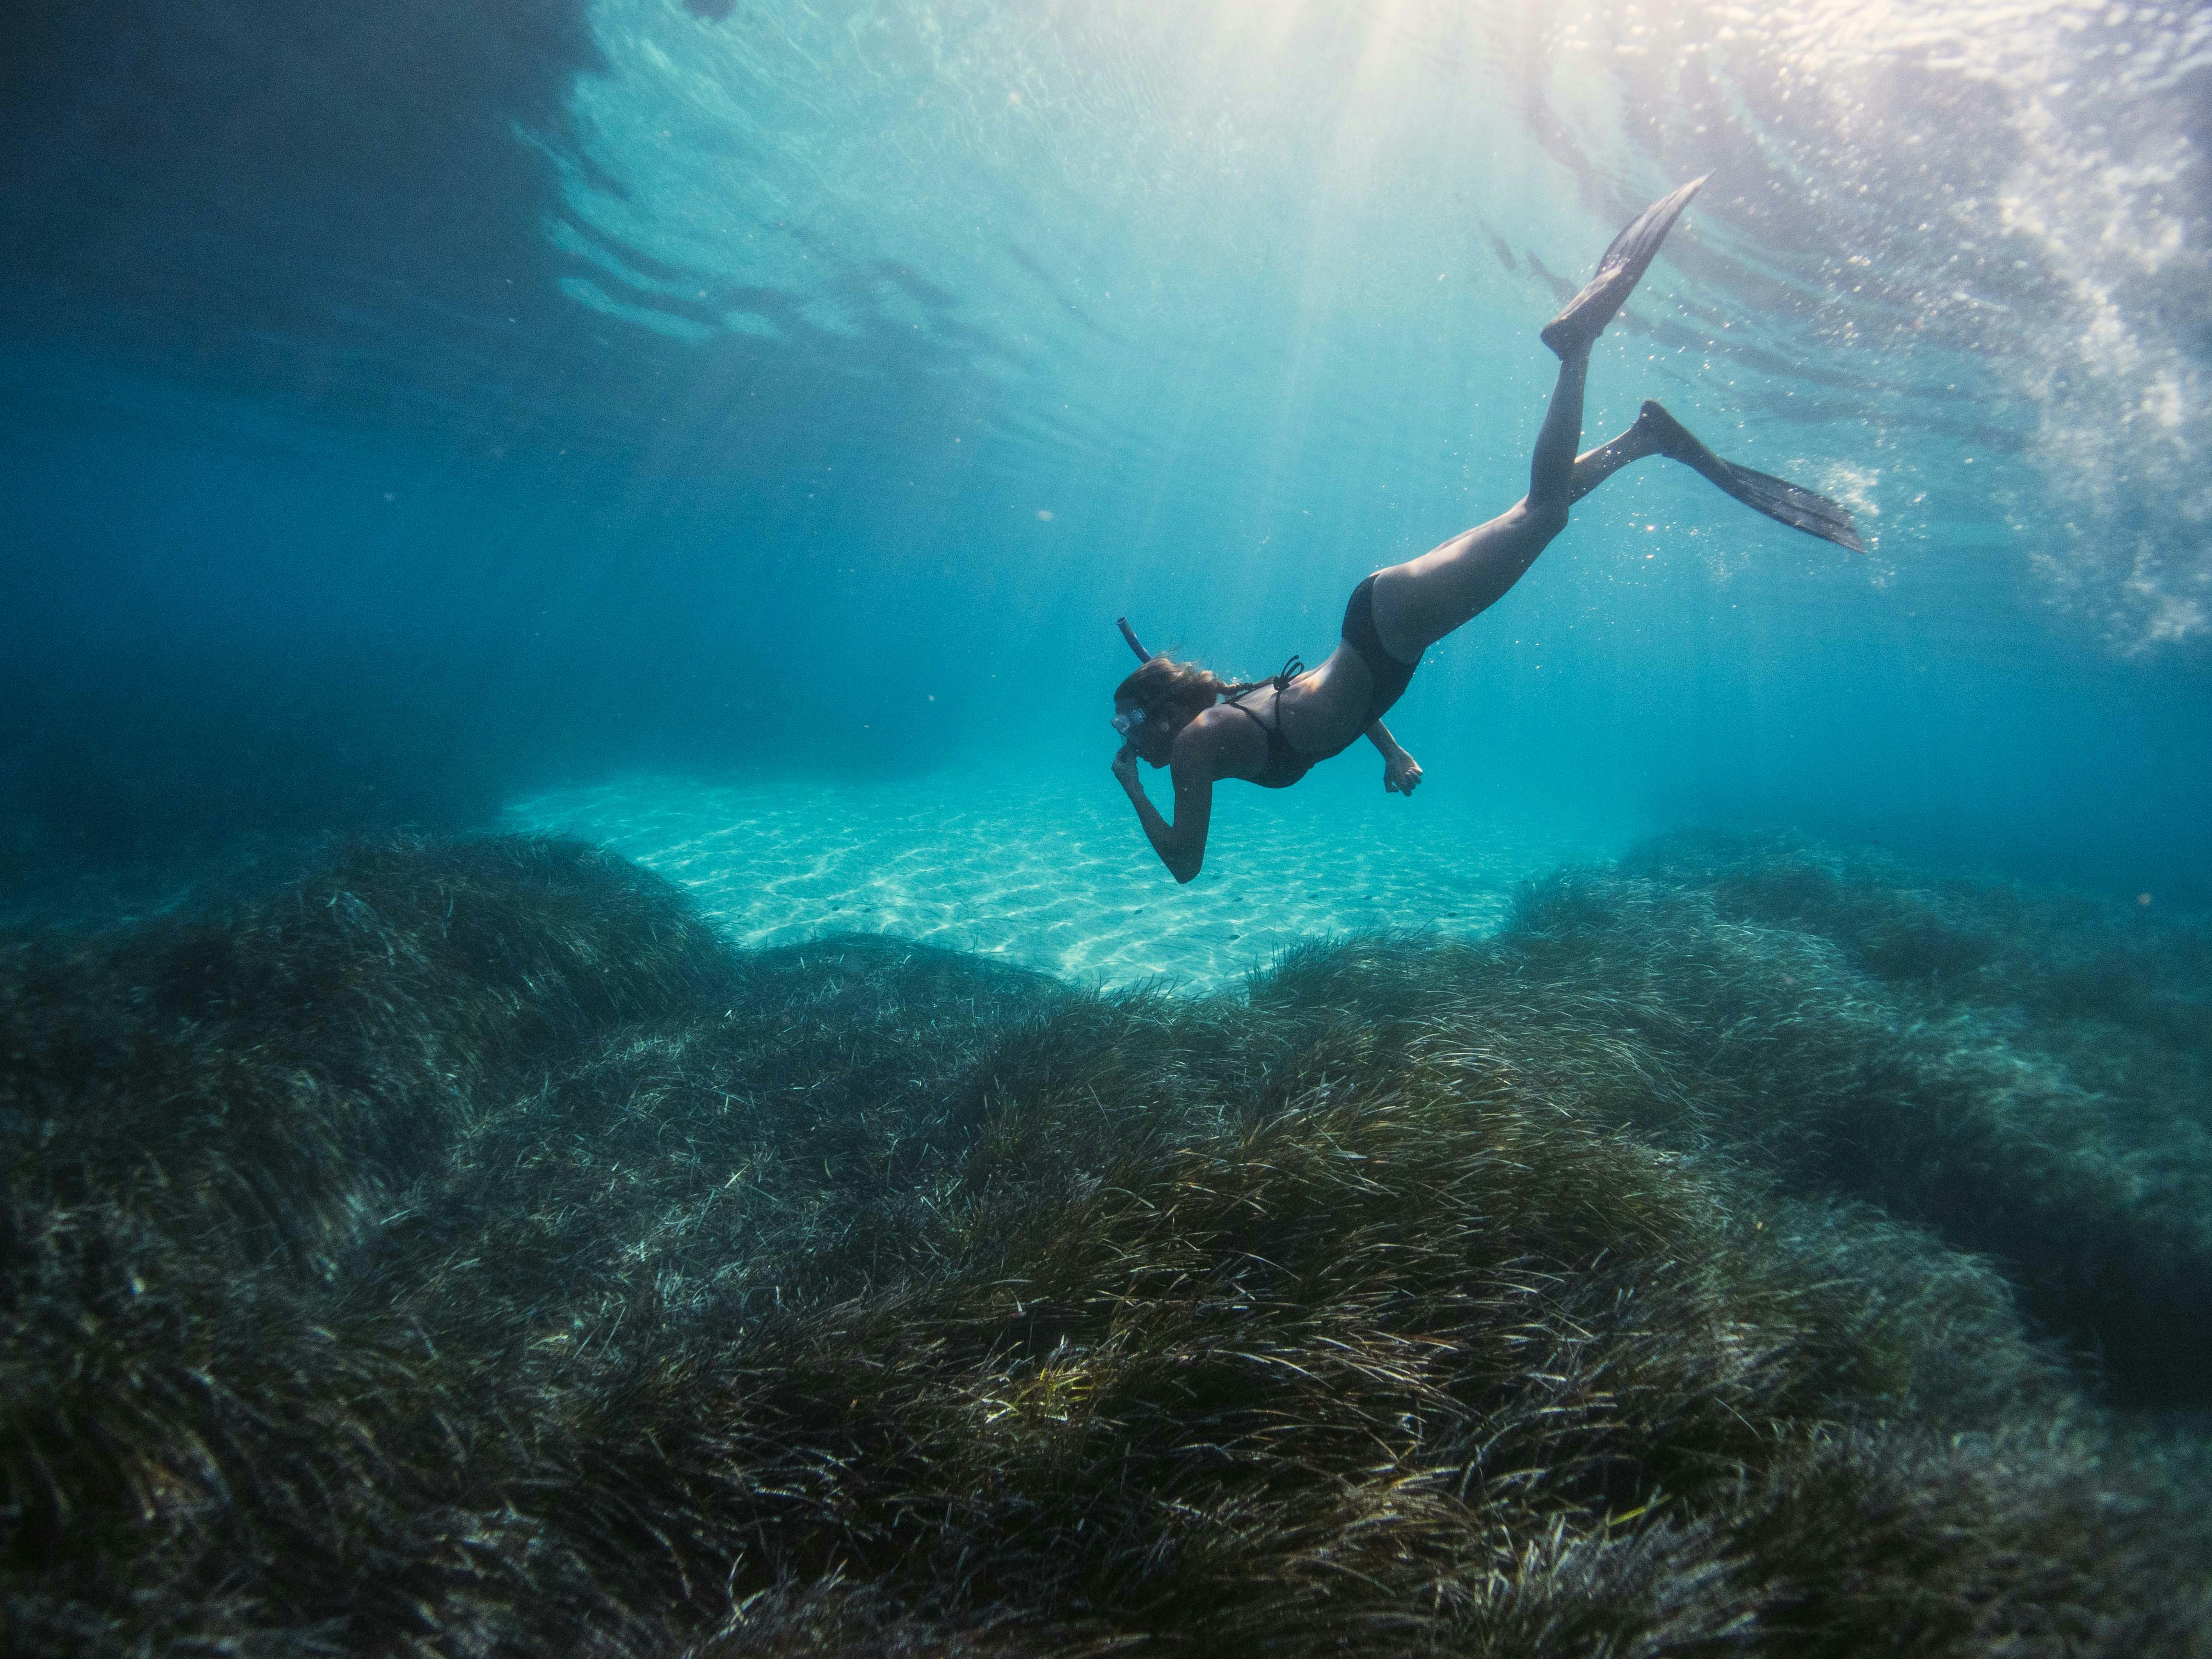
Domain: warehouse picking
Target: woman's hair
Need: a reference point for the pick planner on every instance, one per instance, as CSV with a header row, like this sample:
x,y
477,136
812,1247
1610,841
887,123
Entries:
x,y
1162,683
1163,680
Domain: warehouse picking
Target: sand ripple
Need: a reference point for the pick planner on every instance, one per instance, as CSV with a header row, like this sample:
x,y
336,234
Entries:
x,y
1054,874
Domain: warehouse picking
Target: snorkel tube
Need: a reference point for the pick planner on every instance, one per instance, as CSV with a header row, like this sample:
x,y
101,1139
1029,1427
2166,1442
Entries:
x,y
1127,724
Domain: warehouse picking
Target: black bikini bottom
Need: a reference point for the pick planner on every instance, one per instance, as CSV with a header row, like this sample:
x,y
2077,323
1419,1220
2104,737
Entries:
x,y
1286,761
1390,676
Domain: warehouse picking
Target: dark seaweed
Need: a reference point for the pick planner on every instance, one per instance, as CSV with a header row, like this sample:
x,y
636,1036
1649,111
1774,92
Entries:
x,y
462,1251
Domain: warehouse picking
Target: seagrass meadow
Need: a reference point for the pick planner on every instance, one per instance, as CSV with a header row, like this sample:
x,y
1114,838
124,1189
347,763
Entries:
x,y
1749,1248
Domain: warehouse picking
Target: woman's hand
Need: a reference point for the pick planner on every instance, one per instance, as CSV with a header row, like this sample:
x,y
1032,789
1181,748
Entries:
x,y
1400,773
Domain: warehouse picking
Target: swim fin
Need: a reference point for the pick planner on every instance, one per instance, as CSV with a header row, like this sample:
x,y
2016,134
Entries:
x,y
1618,273
1780,499
1794,505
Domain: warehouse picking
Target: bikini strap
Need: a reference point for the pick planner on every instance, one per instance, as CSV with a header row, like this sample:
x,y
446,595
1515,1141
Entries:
x,y
1290,671
1236,702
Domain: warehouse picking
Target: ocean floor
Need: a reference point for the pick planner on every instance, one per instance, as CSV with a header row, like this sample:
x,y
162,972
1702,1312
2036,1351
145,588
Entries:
x,y
1751,1248
1053,874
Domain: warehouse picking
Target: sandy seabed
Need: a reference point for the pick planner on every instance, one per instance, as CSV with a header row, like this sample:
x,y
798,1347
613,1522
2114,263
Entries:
x,y
1054,874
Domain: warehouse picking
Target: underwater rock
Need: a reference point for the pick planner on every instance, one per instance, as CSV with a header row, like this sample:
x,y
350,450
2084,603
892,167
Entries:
x,y
463,1253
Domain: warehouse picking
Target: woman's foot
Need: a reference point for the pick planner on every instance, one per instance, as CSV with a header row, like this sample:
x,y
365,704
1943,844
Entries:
x,y
1662,434
1623,266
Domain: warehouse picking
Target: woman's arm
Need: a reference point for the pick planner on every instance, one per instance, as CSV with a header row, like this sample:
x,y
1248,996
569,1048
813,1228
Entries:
x,y
1401,773
1182,844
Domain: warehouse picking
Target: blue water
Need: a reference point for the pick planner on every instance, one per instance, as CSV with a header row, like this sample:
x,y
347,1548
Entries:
x,y
561,412
1726,1165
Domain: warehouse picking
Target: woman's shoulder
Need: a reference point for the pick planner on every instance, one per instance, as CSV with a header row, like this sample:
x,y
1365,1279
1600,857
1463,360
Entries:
x,y
1229,727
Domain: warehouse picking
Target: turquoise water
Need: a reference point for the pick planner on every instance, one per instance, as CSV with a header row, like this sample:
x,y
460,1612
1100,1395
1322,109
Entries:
x,y
409,418
592,1060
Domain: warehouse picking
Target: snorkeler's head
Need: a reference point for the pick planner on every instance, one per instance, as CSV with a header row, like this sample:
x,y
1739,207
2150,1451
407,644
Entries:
x,y
1157,700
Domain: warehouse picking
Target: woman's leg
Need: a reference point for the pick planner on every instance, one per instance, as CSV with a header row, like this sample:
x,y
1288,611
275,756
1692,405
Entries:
x,y
1418,602
1592,467
1421,601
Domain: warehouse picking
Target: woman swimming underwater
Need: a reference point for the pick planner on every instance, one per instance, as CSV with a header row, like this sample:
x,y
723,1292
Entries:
x,y
1177,715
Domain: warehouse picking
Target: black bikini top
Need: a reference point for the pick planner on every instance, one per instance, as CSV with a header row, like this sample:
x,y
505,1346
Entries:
x,y
1287,763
